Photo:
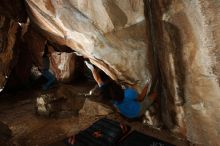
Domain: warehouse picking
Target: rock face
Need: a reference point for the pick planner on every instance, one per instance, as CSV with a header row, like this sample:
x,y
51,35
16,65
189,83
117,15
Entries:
x,y
180,38
107,32
9,32
19,76
92,108
36,43
13,9
63,65
114,36
186,36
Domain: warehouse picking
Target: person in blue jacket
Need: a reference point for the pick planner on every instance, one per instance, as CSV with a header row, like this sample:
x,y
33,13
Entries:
x,y
46,72
127,101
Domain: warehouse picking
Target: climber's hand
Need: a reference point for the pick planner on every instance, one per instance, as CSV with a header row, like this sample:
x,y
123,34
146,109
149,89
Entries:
x,y
90,66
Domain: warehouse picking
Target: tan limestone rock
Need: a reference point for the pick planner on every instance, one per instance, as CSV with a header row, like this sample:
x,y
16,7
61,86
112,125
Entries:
x,y
187,42
93,29
63,65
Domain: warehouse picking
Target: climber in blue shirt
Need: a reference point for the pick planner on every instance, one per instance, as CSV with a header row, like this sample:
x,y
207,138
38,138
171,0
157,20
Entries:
x,y
128,102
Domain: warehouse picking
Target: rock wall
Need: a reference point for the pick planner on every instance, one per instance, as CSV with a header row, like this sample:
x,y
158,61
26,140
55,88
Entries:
x,y
9,47
182,35
21,71
36,43
62,62
14,9
186,37
63,65
112,34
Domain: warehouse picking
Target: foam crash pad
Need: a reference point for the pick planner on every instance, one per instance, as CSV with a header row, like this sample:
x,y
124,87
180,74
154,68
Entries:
x,y
136,138
104,132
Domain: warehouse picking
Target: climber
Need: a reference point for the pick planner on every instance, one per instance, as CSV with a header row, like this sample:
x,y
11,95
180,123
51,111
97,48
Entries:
x,y
128,102
46,72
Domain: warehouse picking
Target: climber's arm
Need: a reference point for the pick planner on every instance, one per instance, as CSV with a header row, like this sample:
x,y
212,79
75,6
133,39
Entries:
x,y
143,93
95,74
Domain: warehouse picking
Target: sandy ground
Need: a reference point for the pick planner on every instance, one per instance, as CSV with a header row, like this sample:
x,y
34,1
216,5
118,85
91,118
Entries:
x,y
29,129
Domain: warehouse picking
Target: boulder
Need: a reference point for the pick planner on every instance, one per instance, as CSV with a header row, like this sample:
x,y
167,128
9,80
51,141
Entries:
x,y
179,38
48,105
63,65
62,101
62,61
112,34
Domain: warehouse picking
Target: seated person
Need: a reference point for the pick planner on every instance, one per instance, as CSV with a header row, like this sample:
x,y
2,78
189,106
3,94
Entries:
x,y
128,102
46,72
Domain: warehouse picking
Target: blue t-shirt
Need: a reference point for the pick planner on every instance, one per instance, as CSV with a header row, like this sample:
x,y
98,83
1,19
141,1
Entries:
x,y
129,107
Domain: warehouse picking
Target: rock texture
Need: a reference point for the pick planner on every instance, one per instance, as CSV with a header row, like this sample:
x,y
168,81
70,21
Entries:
x,y
186,36
9,42
107,32
13,9
180,38
36,43
5,134
19,76
63,65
